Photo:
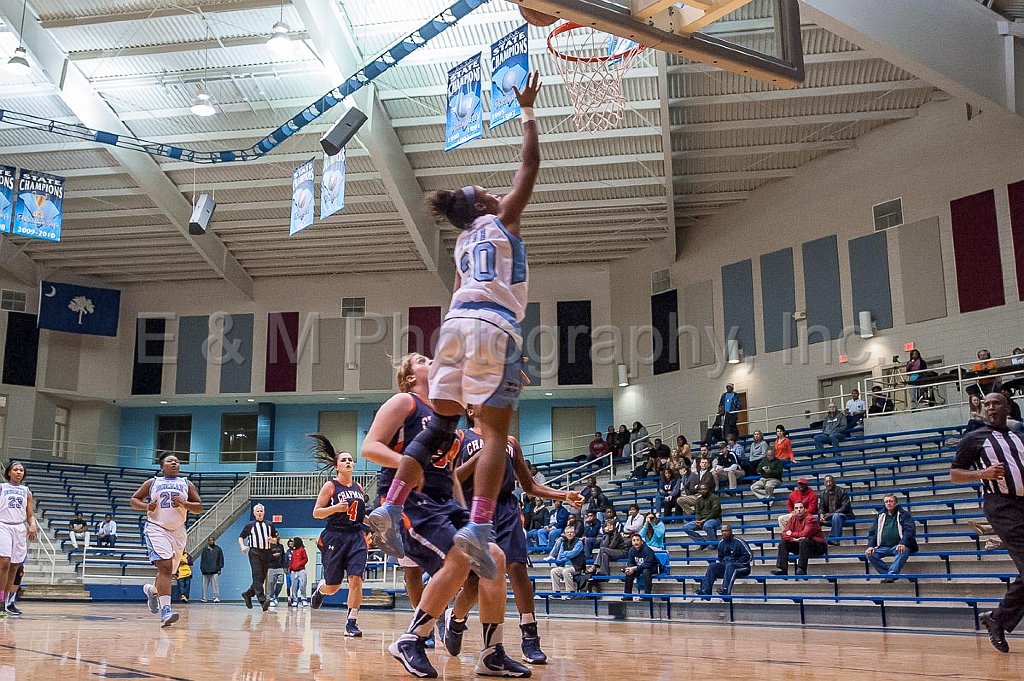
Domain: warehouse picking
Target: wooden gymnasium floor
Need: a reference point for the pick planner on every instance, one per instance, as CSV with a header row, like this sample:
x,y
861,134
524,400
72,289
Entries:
x,y
62,642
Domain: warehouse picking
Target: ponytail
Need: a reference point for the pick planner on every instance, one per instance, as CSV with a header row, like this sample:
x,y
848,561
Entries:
x,y
454,206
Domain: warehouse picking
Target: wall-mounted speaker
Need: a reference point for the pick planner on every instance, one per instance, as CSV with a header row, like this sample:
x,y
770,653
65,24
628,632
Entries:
x,y
335,139
202,214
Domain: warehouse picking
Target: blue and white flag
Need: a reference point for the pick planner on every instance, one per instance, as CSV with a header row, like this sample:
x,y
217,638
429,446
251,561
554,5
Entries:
x,y
302,197
332,185
6,197
465,120
79,309
40,206
510,66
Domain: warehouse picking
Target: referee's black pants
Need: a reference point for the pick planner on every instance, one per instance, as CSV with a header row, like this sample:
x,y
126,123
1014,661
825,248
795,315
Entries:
x,y
1006,514
259,563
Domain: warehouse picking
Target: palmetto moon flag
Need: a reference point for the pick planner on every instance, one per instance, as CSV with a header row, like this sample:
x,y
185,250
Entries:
x,y
79,309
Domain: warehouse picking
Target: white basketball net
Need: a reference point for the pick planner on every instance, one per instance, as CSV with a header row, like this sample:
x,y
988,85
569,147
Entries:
x,y
593,64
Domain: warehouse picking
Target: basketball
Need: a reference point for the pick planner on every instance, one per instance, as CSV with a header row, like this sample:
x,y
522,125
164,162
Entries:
x,y
535,18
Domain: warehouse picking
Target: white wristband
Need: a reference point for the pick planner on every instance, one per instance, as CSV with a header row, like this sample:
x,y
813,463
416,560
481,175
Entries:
x,y
528,114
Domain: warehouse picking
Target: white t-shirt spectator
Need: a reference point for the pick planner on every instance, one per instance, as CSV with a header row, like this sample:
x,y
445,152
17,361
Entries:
x,y
108,529
856,407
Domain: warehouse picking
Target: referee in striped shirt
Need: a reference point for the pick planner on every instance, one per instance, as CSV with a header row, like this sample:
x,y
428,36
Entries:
x,y
994,455
258,534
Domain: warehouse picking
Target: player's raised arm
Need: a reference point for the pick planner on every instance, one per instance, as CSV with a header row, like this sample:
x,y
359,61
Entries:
x,y
512,205
533,488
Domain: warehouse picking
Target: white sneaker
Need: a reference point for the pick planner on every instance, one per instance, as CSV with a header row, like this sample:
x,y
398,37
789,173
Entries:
x,y
273,604
216,600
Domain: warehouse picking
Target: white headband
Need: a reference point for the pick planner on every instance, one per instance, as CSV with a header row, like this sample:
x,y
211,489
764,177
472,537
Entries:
x,y
470,193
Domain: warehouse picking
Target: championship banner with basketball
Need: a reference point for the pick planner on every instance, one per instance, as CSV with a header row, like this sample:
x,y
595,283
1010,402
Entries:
x,y
79,309
302,197
509,67
332,185
40,206
465,120
7,177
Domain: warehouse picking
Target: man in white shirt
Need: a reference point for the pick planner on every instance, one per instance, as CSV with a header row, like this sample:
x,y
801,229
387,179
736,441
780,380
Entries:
x,y
106,533
855,410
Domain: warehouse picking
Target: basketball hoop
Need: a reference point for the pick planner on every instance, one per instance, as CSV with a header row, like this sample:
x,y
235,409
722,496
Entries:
x,y
593,64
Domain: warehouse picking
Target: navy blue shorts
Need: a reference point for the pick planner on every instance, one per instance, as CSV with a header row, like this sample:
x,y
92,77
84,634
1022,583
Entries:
x,y
342,553
430,534
509,534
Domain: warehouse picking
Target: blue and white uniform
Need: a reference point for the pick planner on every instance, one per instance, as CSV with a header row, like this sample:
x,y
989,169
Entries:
x,y
165,526
509,533
13,516
480,346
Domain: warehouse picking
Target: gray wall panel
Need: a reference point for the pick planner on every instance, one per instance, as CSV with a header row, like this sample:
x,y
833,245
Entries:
x,y
869,276
824,299
698,316
64,351
738,304
923,282
190,378
329,371
376,370
236,371
778,300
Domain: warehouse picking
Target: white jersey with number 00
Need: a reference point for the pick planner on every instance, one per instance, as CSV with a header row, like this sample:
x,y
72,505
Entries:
x,y
167,515
13,504
492,264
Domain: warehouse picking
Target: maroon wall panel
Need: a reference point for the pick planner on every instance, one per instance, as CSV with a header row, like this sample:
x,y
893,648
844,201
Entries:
x,y
979,274
1016,191
423,325
282,351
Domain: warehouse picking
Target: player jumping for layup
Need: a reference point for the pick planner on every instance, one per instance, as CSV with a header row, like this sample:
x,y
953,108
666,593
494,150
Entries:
x,y
166,499
480,347
342,544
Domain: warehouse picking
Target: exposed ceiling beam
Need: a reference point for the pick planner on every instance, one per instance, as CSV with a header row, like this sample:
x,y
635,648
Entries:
x,y
735,176
209,7
801,92
177,48
545,138
786,121
94,112
752,150
666,148
817,58
330,34
711,197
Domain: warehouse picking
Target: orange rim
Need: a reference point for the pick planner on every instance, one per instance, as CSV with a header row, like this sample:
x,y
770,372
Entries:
x,y
572,26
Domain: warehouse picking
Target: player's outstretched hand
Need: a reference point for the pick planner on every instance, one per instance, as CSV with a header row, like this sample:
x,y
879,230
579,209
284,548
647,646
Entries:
x,y
574,498
529,93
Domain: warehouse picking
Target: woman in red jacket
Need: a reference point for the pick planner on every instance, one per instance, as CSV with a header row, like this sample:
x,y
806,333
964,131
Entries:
x,y
297,569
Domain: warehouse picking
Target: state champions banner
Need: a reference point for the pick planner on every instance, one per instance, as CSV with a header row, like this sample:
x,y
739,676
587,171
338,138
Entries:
x,y
302,197
465,111
7,178
40,206
509,68
332,184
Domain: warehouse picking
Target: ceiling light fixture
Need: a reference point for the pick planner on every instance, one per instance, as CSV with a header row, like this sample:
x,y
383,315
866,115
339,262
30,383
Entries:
x,y
280,42
202,105
19,62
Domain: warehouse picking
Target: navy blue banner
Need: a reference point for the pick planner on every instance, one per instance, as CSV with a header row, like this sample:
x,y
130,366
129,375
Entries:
x,y
79,309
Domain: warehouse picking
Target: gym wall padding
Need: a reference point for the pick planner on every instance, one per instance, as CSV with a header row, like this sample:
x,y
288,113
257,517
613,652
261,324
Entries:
x,y
822,295
698,317
236,366
778,300
148,358
979,272
63,359
575,366
21,349
738,305
1016,193
530,327
665,320
423,325
329,367
282,352
376,371
190,378
921,277
869,276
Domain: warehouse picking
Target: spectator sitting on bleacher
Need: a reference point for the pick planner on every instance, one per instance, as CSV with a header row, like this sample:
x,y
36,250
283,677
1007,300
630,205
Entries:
x,y
668,490
803,537
1014,407
835,509
682,448
854,412
634,521
734,558
703,453
622,438
653,532
727,466
715,430
985,365
705,476
677,463
802,494
893,533
657,455
538,477
611,516
975,419
106,534
689,490
783,446
770,470
642,564
637,432
741,454
567,554
77,529
558,519
536,534
880,403
641,452
833,428
598,447
708,517
594,499
591,533
613,546
757,451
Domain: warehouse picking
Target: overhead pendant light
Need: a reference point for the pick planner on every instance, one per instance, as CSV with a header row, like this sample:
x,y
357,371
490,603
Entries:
x,y
280,42
203,103
18,63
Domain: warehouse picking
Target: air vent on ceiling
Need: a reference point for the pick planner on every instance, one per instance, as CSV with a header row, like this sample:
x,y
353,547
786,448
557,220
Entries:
x,y
888,214
661,281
